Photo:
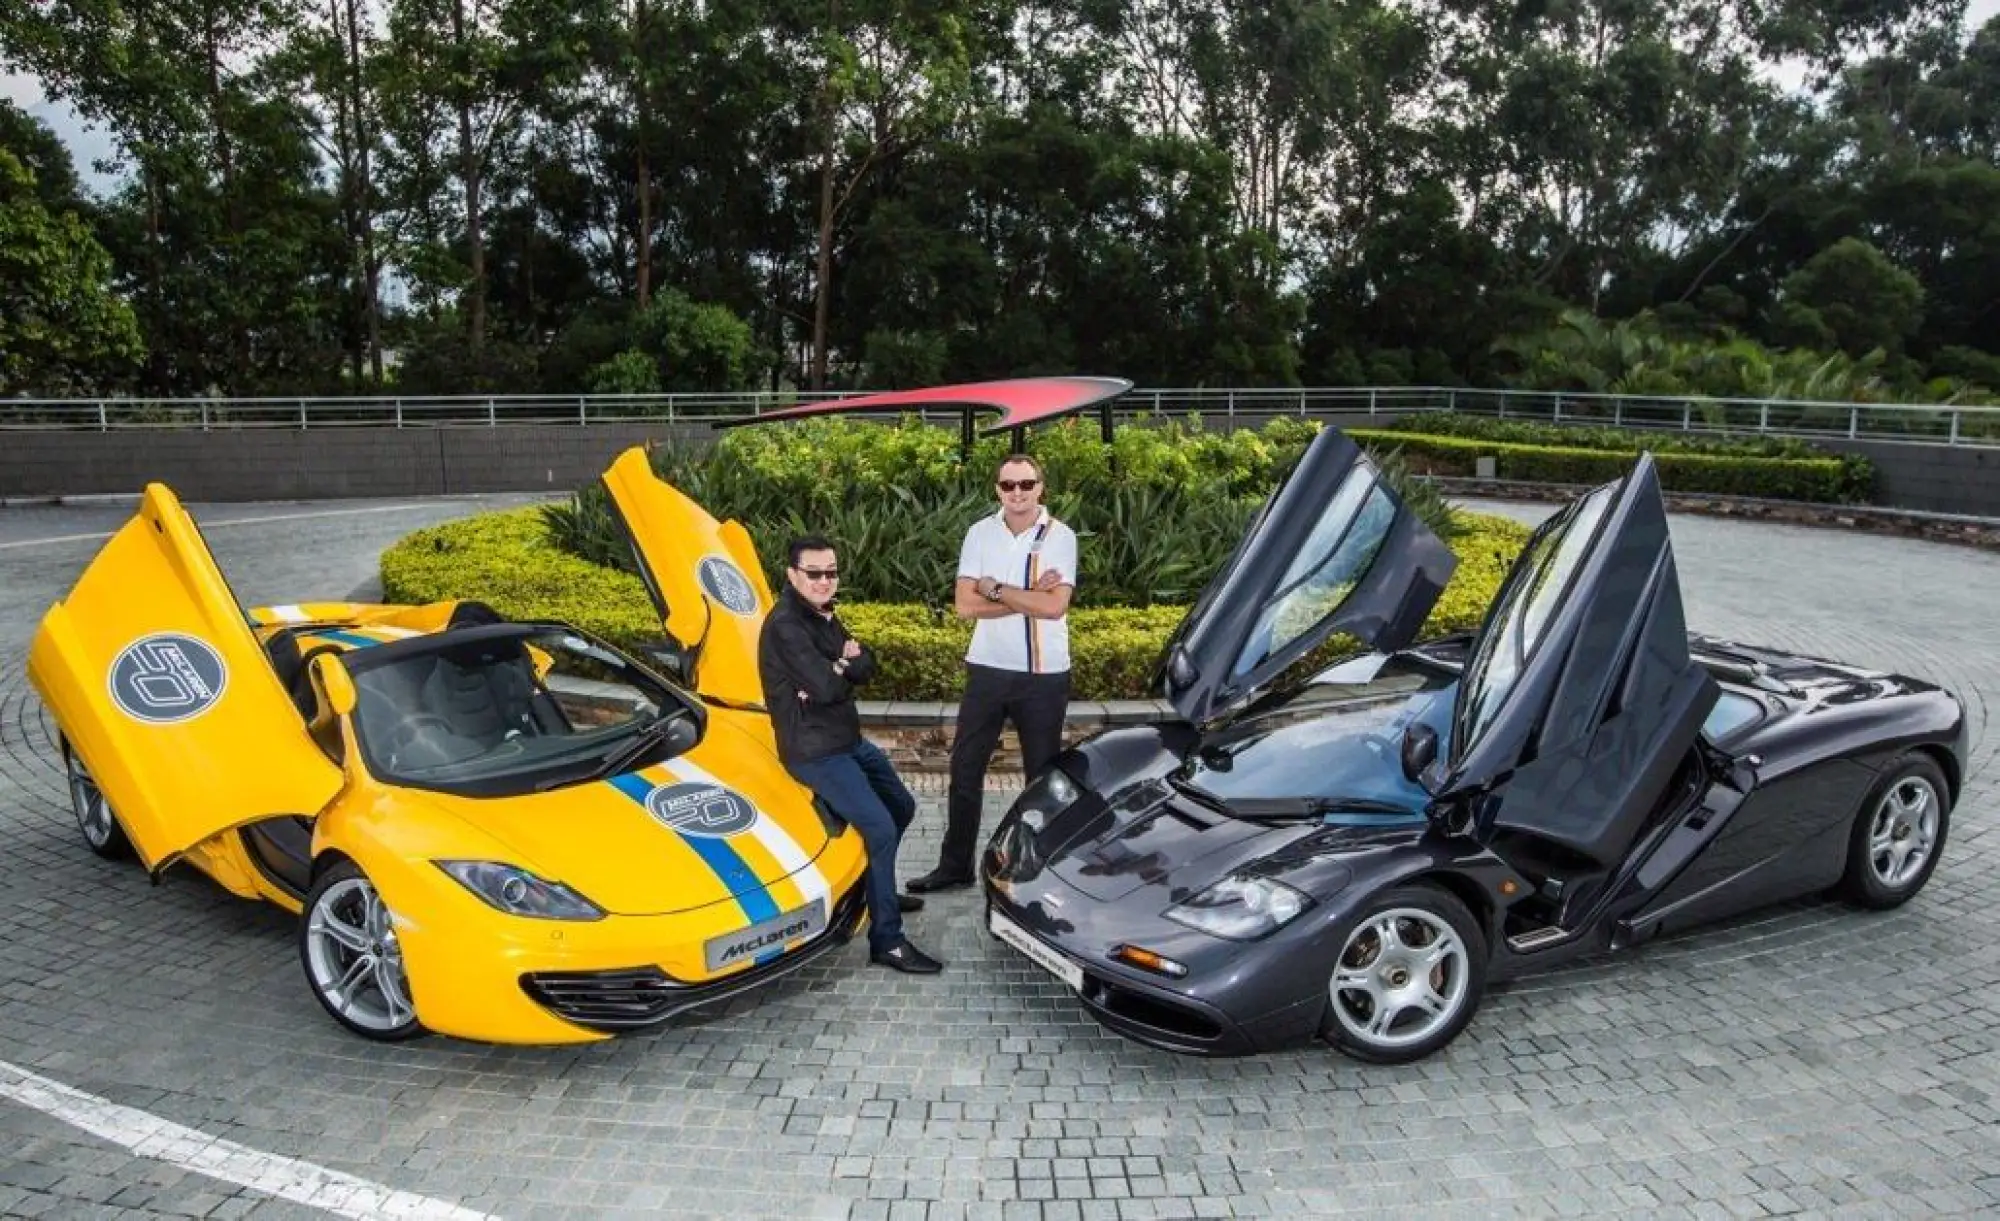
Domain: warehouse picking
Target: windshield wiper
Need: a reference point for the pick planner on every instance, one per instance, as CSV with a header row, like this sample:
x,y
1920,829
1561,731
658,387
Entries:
x,y
1365,811
622,756
1200,796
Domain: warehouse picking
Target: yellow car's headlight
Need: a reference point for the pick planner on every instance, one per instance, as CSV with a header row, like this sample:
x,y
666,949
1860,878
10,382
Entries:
x,y
517,892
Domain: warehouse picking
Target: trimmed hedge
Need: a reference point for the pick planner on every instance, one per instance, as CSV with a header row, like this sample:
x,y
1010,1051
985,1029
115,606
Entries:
x,y
1584,433
1823,480
507,560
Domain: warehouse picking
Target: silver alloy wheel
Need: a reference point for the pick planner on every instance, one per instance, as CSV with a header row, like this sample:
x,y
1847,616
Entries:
x,y
93,813
1903,831
355,960
1400,979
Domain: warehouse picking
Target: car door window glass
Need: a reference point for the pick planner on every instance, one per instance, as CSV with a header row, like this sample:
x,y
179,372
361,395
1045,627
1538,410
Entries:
x,y
1528,605
1338,553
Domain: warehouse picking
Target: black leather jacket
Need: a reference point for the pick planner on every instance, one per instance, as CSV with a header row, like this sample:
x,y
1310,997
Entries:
x,y
795,654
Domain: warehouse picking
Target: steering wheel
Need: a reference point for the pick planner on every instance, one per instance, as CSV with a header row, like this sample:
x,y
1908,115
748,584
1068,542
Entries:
x,y
409,729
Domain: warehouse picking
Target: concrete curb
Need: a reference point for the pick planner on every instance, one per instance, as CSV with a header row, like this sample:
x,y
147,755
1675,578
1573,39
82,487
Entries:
x,y
1082,714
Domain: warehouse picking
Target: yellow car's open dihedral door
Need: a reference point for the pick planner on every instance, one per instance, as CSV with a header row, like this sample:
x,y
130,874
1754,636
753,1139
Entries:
x,y
157,682
704,577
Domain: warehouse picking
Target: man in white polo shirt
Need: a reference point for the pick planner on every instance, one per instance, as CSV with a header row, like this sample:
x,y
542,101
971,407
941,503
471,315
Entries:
x,y
1016,571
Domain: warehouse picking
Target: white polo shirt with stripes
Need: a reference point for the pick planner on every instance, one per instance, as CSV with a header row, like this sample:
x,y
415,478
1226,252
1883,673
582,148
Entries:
x,y
1018,642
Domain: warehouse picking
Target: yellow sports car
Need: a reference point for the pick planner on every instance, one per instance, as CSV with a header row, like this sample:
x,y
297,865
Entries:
x,y
511,832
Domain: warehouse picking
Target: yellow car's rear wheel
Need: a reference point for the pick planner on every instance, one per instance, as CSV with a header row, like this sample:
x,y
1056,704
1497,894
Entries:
x,y
353,962
94,815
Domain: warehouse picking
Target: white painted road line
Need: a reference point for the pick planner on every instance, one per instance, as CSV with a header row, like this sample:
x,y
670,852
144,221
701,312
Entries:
x,y
218,525
145,1135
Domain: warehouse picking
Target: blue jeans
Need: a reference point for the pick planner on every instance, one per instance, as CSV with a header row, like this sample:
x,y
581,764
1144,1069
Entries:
x,y
862,787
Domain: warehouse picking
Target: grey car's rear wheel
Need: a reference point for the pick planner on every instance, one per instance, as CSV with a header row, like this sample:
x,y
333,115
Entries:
x,y
347,942
94,816
1899,833
1410,974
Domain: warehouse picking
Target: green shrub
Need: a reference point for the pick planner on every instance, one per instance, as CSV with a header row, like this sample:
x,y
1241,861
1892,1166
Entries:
x,y
629,372
1825,480
1154,517
508,560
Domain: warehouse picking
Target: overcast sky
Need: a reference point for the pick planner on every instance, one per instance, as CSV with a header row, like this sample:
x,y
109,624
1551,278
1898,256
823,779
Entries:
x,y
89,144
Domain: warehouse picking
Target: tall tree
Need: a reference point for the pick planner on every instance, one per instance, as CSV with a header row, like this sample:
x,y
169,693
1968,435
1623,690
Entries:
x,y
891,74
63,329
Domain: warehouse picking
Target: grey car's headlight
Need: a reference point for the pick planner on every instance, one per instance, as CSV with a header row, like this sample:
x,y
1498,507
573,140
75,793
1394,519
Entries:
x,y
1011,855
1241,908
1051,794
519,893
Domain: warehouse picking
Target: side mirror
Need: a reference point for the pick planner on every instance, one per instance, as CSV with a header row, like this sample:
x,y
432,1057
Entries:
x,y
682,735
1420,748
334,683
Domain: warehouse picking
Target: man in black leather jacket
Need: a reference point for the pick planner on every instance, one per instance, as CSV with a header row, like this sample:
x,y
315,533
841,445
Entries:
x,y
810,668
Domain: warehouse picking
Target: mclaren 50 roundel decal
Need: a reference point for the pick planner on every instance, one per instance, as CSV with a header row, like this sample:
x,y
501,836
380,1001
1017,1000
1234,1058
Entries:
x,y
725,582
167,677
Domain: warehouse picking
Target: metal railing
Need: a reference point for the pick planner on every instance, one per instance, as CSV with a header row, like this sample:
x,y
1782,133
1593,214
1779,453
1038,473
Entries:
x,y
1938,424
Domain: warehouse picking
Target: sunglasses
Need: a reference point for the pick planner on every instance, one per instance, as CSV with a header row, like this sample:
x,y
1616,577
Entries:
x,y
1019,485
819,574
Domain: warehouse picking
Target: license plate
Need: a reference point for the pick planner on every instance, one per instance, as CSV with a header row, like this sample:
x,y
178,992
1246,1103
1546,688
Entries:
x,y
1038,953
764,937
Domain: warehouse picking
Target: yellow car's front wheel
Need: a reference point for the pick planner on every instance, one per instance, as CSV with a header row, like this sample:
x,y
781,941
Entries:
x,y
353,962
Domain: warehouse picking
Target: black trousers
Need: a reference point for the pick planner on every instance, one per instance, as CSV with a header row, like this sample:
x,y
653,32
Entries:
x,y
1036,704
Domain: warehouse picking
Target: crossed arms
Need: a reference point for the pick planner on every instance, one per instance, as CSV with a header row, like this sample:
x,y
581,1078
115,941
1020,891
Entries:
x,y
1049,599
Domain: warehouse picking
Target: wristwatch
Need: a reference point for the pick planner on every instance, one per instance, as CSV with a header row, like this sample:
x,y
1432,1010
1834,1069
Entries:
x,y
994,596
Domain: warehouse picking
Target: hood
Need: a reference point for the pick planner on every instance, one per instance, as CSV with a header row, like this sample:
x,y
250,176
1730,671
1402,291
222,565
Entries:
x,y
1156,837
698,829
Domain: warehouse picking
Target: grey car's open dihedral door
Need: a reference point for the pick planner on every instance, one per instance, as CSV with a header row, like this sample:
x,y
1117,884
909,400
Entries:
x,y
1579,698
1333,550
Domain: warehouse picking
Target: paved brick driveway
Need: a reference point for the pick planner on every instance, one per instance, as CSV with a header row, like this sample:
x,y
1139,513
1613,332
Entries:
x,y
1809,1059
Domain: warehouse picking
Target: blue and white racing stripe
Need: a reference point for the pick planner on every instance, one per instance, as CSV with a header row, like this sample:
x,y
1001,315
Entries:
x,y
737,878
803,870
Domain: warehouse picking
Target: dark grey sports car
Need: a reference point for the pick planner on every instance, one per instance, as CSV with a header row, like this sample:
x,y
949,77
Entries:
x,y
1357,855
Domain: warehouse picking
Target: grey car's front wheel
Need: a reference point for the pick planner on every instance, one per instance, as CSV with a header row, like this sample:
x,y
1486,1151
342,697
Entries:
x,y
94,816
1410,974
1899,834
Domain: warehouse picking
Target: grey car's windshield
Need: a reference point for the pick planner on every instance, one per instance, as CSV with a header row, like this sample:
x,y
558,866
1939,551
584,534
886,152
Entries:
x,y
1528,603
1333,745
495,715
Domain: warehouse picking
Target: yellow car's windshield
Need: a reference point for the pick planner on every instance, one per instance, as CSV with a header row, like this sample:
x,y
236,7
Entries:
x,y
500,710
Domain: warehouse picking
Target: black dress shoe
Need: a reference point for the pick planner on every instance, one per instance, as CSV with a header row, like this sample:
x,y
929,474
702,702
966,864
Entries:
x,y
909,903
906,958
938,879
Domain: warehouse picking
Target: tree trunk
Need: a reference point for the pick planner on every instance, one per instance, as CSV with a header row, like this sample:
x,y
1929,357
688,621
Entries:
x,y
642,113
155,289
468,168
645,224
239,328
371,267
823,266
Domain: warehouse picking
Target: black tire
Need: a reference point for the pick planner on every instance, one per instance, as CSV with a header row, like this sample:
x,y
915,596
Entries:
x,y
1911,802
98,823
377,1004
1351,1010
